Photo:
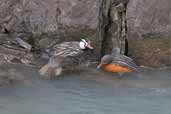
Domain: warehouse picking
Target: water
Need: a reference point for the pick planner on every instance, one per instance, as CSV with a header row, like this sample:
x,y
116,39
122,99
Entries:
x,y
88,92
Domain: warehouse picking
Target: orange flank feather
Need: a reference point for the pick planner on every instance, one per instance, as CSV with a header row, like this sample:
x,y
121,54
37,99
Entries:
x,y
115,68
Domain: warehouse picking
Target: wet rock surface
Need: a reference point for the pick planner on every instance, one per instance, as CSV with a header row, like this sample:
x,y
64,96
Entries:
x,y
11,74
11,52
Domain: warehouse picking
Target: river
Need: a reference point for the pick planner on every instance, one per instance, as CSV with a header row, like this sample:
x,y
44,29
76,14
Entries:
x,y
88,92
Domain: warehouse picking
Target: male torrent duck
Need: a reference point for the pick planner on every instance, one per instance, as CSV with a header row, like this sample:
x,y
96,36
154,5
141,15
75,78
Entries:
x,y
117,63
62,56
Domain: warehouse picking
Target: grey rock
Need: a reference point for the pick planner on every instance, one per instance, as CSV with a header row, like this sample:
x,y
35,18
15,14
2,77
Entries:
x,y
149,27
23,44
149,24
120,7
151,16
47,15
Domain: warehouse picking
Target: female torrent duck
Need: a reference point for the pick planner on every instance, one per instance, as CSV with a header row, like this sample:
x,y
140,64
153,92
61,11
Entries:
x,y
64,55
117,63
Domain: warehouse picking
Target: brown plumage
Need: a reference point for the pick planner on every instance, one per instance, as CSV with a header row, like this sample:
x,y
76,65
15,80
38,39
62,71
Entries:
x,y
118,63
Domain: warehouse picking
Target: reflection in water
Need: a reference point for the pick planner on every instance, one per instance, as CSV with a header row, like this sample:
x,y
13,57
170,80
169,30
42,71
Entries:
x,y
88,92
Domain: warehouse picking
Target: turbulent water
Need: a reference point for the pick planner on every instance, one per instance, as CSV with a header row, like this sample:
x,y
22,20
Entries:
x,y
88,92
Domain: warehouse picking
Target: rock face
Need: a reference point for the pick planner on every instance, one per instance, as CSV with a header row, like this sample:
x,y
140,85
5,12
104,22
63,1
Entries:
x,y
149,26
45,15
112,27
70,17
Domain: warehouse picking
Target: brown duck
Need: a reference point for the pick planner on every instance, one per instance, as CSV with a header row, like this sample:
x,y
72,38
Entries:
x,y
117,63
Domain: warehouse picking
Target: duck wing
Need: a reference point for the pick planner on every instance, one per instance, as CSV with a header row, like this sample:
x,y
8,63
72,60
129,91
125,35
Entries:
x,y
66,49
123,57
55,61
125,61
124,64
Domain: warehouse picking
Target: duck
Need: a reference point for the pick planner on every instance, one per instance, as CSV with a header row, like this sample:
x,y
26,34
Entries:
x,y
63,56
117,63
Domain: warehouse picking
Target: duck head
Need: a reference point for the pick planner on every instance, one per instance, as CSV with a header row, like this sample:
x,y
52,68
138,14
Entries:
x,y
85,44
107,59
115,51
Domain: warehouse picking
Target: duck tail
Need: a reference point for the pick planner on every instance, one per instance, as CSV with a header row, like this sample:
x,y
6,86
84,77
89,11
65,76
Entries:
x,y
49,71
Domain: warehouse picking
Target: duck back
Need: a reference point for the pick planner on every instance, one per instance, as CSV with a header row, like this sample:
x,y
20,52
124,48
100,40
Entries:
x,y
125,61
66,49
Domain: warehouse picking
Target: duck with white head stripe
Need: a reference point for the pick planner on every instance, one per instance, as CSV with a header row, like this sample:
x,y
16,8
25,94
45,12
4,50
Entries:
x,y
85,45
62,52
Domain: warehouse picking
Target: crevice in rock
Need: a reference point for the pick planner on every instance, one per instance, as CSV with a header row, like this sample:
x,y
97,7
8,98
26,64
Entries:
x,y
126,30
103,25
112,27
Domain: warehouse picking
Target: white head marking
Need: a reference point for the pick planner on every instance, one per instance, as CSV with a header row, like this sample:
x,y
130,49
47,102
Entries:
x,y
83,44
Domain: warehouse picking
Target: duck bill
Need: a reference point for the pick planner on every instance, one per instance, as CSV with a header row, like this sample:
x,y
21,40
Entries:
x,y
100,65
89,46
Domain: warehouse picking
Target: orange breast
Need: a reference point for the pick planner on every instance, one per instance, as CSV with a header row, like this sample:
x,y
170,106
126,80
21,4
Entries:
x,y
116,68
